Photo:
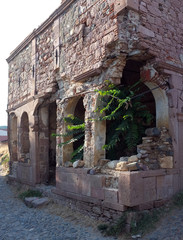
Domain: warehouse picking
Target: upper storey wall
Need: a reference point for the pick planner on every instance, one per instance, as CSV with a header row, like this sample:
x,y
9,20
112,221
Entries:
x,y
161,29
20,75
85,29
81,37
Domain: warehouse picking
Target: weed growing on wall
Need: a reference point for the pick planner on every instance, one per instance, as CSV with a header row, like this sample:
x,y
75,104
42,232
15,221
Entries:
x,y
126,115
74,132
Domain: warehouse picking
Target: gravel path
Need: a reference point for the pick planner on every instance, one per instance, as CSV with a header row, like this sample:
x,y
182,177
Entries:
x,y
18,222
170,228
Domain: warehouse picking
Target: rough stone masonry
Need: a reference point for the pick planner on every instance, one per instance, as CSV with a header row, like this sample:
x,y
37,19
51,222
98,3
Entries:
x,y
55,72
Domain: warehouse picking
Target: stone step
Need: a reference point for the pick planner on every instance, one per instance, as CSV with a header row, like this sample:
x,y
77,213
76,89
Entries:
x,y
36,202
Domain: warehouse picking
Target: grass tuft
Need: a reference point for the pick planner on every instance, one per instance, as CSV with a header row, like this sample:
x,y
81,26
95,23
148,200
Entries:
x,y
178,199
30,193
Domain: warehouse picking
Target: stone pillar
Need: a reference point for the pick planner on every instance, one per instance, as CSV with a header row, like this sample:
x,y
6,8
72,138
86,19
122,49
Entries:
x,y
43,143
63,109
95,133
175,98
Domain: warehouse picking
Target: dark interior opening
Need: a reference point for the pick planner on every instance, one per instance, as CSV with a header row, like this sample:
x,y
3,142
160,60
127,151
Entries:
x,y
79,113
131,75
24,136
52,143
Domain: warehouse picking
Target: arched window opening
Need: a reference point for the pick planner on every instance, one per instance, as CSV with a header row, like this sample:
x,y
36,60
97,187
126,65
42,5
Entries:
x,y
142,94
74,108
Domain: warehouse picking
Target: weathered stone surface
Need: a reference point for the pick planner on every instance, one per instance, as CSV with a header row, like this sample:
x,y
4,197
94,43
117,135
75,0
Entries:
x,y
133,166
36,202
153,132
40,202
78,164
68,164
122,166
123,159
166,162
28,201
132,159
112,164
102,162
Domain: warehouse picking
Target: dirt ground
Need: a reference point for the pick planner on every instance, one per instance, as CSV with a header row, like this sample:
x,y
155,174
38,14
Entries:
x,y
4,157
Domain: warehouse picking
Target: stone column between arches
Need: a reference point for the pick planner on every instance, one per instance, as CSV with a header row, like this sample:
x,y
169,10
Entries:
x,y
95,131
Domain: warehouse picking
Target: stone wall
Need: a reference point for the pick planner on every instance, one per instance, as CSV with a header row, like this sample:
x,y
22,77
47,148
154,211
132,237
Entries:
x,y
161,29
44,60
20,73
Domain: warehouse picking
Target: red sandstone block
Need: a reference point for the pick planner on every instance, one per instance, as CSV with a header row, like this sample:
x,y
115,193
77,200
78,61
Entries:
x,y
145,206
111,195
72,178
146,31
133,4
124,189
68,187
114,206
175,82
97,181
176,183
153,173
131,190
149,189
61,177
137,190
120,5
97,193
173,98
160,203
85,185
164,187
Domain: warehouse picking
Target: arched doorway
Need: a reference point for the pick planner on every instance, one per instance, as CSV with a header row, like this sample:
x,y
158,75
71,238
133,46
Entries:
x,y
143,95
52,127
13,137
24,139
76,108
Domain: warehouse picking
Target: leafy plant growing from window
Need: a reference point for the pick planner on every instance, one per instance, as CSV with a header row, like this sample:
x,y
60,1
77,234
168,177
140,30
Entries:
x,y
126,114
74,132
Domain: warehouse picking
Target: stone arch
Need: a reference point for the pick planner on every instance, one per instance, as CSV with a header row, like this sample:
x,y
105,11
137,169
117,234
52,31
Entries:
x,y
161,100
24,138
13,137
75,107
131,75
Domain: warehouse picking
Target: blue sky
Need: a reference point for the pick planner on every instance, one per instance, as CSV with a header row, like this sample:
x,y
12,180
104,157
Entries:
x,y
18,19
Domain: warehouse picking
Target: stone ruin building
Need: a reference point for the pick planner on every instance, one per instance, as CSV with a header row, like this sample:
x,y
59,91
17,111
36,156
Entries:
x,y
55,72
